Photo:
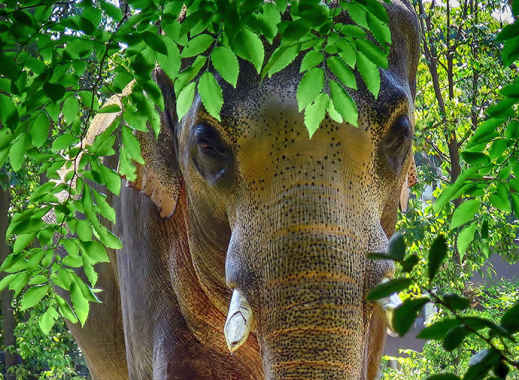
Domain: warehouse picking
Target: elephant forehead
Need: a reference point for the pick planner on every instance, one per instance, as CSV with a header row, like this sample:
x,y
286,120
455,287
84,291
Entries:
x,y
247,107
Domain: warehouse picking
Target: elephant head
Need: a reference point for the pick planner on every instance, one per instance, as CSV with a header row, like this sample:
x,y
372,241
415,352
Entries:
x,y
284,222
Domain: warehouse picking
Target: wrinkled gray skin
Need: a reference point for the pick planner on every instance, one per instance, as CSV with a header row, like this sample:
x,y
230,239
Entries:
x,y
260,208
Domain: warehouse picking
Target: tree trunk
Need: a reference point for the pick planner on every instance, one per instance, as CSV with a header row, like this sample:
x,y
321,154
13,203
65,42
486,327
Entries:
x,y
9,322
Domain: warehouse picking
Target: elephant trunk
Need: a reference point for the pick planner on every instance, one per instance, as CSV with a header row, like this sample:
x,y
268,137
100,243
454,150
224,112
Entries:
x,y
306,255
312,317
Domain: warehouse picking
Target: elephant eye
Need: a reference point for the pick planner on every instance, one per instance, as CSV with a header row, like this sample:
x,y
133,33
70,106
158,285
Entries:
x,y
397,143
210,154
208,141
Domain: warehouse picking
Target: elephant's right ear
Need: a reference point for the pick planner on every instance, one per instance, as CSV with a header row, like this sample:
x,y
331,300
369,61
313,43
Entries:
x,y
160,177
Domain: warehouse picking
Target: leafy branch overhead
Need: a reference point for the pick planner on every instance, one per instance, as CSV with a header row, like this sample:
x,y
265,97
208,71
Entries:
x,y
61,61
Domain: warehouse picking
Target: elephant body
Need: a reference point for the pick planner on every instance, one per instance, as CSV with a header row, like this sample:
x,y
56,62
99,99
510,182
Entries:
x,y
251,204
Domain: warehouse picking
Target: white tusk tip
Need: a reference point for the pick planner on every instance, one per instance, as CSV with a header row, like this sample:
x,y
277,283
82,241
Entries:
x,y
239,320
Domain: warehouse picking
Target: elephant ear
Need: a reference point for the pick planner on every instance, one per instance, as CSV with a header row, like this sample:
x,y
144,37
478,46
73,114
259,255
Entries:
x,y
160,178
409,182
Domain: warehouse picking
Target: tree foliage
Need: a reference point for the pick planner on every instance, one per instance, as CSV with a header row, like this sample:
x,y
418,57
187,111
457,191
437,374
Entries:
x,y
63,59
471,160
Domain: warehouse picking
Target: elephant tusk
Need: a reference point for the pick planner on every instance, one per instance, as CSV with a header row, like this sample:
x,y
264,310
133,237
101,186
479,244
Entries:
x,y
389,304
239,321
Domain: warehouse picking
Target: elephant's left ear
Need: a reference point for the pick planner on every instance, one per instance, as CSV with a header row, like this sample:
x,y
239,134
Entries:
x,y
410,181
160,178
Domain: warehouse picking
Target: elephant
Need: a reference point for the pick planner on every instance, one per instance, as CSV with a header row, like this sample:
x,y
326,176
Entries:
x,y
245,242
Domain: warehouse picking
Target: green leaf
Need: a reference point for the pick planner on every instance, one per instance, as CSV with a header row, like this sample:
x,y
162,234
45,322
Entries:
x,y
73,261
185,100
334,114
71,246
170,63
54,91
444,376
310,60
33,296
17,152
48,319
465,237
197,45
7,280
132,146
186,76
396,247
375,8
95,252
369,73
405,314
103,207
315,112
455,337
515,203
7,108
23,241
84,231
450,191
90,273
65,310
500,200
309,87
71,109
439,329
295,30
4,154
510,51
110,108
456,302
510,319
379,29
111,179
108,238
387,288
477,323
248,46
343,103
19,282
211,94
485,131
112,11
475,158
372,52
38,280
226,63
40,130
342,72
347,53
6,135
281,58
62,142
357,14
465,212
437,254
80,303
409,263
154,41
